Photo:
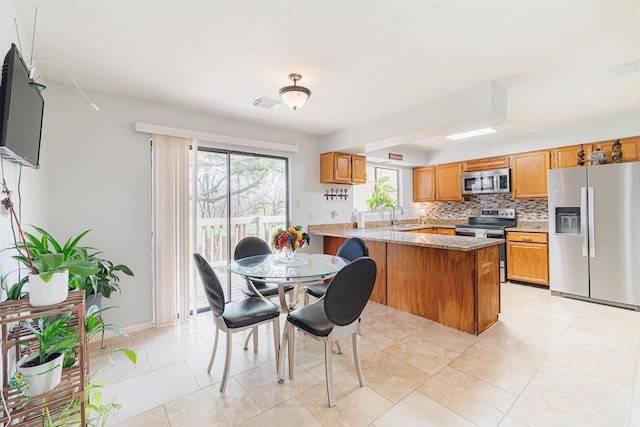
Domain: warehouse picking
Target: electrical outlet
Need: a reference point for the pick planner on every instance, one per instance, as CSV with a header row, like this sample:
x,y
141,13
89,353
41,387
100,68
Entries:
x,y
309,215
297,203
334,214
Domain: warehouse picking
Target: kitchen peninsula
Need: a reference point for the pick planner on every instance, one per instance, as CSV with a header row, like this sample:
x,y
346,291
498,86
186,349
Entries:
x,y
452,280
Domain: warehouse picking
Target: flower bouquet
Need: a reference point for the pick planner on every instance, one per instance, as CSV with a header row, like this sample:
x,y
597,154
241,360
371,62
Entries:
x,y
290,240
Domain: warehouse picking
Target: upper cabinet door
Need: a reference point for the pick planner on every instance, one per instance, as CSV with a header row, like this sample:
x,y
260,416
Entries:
x,y
449,182
424,182
358,169
529,175
335,168
488,163
630,149
567,157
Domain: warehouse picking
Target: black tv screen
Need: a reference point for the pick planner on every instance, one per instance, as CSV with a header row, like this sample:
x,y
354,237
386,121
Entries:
x,y
21,111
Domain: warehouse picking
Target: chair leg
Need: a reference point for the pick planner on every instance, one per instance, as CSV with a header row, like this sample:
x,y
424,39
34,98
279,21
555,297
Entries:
x,y
338,347
276,339
291,344
328,369
356,359
306,298
254,331
246,340
227,362
213,352
281,353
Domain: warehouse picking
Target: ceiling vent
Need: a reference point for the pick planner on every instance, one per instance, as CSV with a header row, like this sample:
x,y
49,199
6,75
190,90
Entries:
x,y
623,69
268,103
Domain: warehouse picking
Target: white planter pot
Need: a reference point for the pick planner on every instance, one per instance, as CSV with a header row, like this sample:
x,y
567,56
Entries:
x,y
46,293
41,378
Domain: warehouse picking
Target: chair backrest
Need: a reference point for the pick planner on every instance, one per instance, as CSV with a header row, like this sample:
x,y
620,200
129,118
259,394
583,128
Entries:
x,y
212,286
353,248
251,246
349,291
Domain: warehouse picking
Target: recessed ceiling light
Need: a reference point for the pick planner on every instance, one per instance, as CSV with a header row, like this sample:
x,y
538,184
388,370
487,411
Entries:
x,y
477,132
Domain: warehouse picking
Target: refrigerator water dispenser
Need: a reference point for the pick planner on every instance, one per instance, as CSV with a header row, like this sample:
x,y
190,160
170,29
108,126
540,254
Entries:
x,y
568,220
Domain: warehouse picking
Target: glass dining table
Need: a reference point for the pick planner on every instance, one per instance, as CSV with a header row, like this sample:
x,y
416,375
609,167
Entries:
x,y
303,268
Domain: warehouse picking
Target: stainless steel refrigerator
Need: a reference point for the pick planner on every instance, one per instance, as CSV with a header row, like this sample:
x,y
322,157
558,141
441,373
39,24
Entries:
x,y
594,233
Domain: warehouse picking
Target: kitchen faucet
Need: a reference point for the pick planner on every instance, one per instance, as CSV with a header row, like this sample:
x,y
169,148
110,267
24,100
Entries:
x,y
394,221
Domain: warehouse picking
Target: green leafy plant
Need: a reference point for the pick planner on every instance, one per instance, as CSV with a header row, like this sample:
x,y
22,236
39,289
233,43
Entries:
x,y
96,412
45,256
380,195
53,337
106,280
14,292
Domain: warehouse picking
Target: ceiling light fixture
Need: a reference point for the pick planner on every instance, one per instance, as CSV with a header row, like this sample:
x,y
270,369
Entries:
x,y
477,132
295,96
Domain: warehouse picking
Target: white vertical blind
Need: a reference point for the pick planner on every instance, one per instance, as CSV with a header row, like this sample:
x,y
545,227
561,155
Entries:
x,y
170,221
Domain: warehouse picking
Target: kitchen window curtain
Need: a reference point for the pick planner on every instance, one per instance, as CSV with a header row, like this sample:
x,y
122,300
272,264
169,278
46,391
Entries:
x,y
170,222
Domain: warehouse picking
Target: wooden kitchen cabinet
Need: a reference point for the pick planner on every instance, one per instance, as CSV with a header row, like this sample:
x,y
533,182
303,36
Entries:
x,y
630,148
341,168
438,183
378,253
567,157
529,175
424,184
528,257
358,169
449,182
488,163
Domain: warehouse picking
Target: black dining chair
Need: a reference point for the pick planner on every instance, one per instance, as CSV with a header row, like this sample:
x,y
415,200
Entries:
x,y
351,249
235,316
253,246
336,316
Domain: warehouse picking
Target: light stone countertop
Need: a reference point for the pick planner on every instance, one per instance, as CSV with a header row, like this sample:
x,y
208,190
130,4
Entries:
x,y
531,227
389,235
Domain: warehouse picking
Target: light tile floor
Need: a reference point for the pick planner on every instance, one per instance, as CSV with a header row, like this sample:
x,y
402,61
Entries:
x,y
548,361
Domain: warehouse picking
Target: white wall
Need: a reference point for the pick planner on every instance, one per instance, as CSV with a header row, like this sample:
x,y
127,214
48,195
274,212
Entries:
x,y
31,201
99,178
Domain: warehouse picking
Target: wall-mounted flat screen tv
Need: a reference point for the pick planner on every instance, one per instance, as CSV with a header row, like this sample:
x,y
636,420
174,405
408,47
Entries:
x,y
21,111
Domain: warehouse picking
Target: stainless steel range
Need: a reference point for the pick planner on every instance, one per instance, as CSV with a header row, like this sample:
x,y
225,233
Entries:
x,y
491,224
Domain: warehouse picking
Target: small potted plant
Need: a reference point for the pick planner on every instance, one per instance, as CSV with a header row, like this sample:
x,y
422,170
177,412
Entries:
x,y
54,267
104,282
41,371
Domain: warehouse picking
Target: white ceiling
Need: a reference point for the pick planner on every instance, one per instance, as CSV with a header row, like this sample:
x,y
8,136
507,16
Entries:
x,y
363,60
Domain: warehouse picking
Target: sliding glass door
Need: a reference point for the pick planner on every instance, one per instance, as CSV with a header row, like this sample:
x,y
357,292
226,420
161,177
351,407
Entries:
x,y
234,195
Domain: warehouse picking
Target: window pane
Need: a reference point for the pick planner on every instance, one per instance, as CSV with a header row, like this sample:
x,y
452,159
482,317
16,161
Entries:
x,y
363,192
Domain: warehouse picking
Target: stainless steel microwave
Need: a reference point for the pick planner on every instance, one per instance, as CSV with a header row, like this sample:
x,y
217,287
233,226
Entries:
x,y
485,182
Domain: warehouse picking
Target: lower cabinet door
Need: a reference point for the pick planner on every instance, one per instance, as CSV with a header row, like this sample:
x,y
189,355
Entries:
x,y
528,262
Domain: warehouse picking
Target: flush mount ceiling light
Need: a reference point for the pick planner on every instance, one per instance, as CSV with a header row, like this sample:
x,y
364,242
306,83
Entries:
x,y
477,132
295,96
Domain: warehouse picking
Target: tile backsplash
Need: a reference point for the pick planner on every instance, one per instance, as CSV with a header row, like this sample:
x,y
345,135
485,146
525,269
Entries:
x,y
526,210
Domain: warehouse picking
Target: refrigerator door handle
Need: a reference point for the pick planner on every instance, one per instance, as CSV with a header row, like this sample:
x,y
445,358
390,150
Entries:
x,y
583,219
592,225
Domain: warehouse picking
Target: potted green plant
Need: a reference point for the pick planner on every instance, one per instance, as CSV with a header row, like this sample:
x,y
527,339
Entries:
x,y
54,267
104,282
96,412
380,195
41,371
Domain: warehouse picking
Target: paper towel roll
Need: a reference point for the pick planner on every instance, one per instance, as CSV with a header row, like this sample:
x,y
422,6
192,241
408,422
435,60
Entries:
x,y
360,219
